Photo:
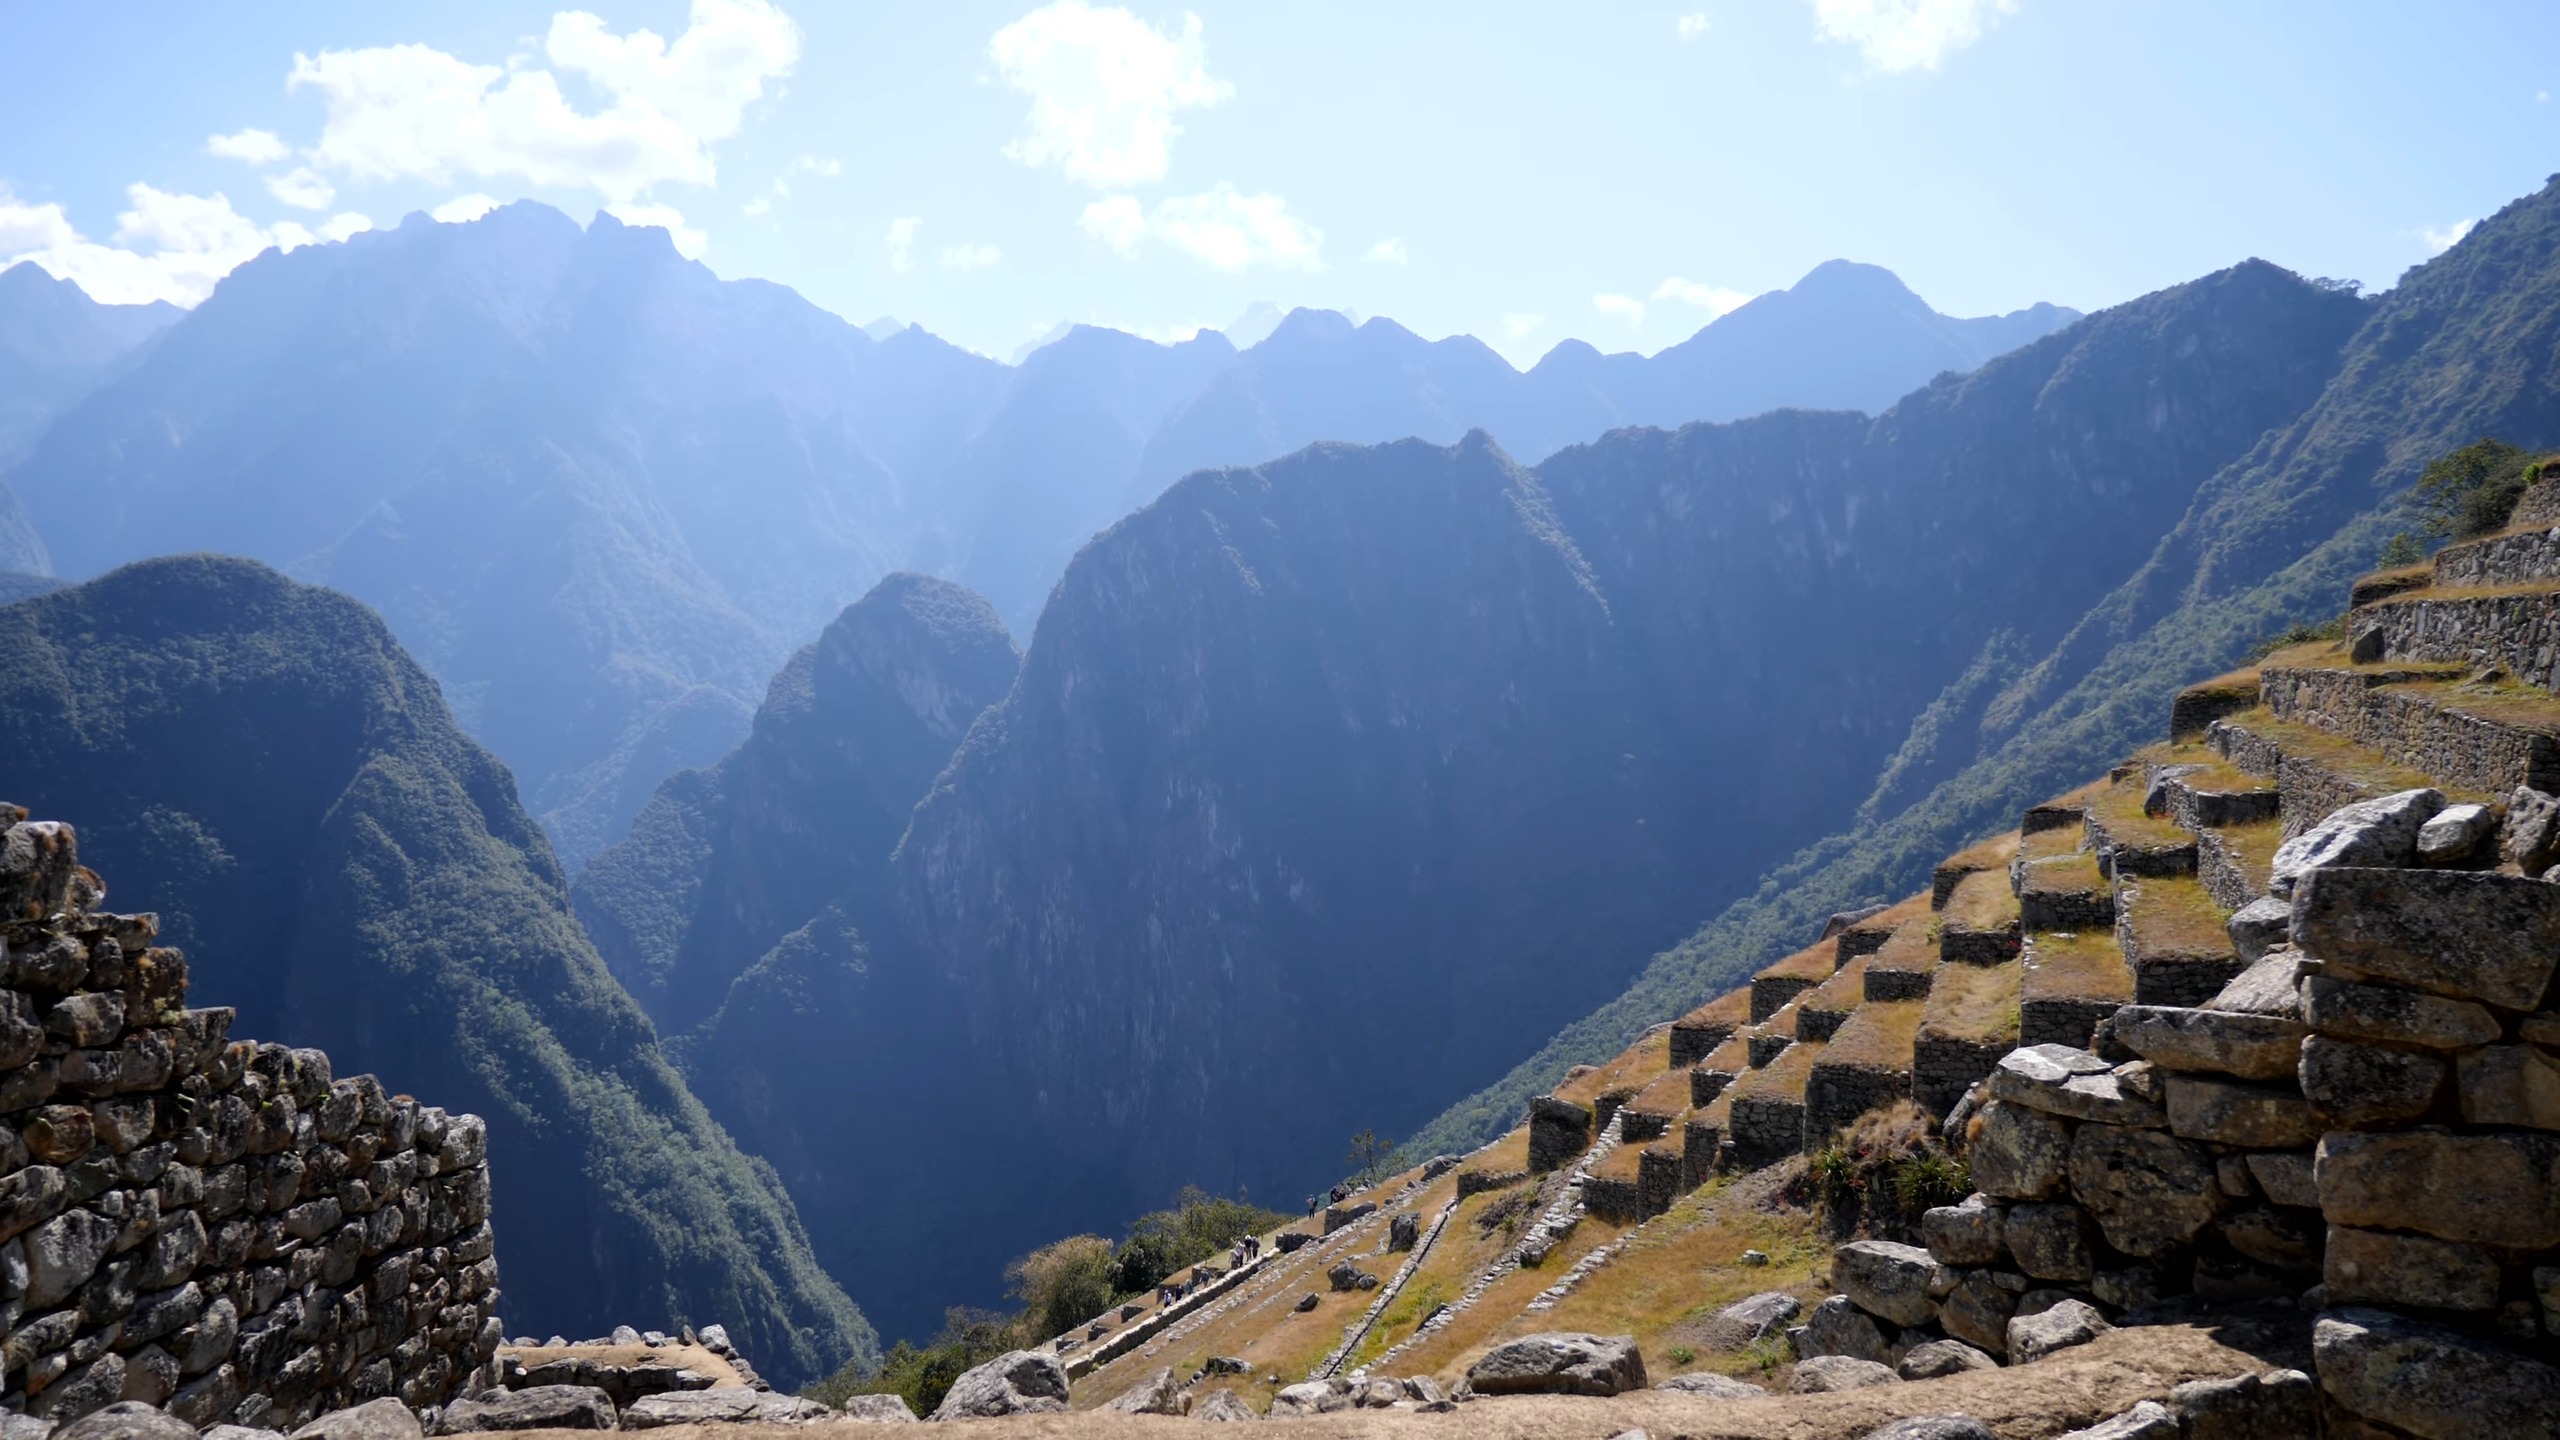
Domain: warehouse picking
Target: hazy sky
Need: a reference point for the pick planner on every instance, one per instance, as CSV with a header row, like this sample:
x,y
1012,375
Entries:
x,y
1524,172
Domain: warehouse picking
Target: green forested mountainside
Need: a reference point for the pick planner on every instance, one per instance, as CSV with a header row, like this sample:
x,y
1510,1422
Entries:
x,y
258,762
727,861
2465,346
1328,784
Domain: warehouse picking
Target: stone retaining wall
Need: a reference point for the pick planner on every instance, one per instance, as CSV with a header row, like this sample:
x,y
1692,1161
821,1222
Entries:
x,y
214,1225
2456,749
2500,560
2520,632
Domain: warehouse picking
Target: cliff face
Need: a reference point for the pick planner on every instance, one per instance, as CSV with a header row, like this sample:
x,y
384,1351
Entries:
x,y
350,872
1327,784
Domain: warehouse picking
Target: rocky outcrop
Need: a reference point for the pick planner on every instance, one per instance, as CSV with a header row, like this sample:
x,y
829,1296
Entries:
x,y
219,1226
1559,1363
1018,1382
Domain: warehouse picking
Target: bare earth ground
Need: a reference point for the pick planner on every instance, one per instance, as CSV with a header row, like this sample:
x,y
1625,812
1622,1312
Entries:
x,y
2032,1402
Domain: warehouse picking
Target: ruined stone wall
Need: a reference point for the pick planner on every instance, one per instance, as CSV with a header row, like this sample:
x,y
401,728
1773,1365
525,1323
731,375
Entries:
x,y
214,1225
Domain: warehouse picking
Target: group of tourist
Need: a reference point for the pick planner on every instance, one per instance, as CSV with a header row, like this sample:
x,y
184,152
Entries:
x,y
1172,1292
1330,1197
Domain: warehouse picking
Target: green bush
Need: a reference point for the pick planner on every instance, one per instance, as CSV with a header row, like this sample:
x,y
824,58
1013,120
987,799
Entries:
x,y
2473,490
922,1376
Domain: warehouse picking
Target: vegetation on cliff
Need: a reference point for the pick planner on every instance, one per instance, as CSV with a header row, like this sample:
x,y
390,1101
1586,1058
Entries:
x,y
259,762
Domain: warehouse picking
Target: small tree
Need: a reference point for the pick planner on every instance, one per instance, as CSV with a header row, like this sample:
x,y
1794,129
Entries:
x,y
2473,490
1369,1155
1063,1284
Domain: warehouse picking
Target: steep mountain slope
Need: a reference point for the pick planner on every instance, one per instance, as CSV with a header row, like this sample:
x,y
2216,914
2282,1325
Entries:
x,y
348,870
2463,347
686,475
55,345
1327,784
724,862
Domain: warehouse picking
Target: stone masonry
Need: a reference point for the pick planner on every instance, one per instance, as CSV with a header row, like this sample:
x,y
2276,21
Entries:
x,y
213,1225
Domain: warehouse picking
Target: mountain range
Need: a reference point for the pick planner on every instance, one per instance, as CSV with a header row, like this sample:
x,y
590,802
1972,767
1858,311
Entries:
x,y
601,494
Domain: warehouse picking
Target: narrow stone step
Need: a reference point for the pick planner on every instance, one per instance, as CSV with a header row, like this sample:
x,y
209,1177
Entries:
x,y
2516,628
1774,987
1992,854
1696,1035
1903,969
2199,790
2315,772
2206,701
1869,935
2232,861
2482,737
2171,934
2517,558
1828,1006
1979,925
1968,1022
1768,1107
1866,1064
2128,841
2067,892
2070,982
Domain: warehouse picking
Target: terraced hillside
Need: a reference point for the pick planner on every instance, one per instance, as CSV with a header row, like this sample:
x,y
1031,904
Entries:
x,y
1647,1195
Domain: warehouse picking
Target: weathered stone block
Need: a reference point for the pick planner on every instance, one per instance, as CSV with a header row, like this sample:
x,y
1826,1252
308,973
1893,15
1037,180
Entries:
x,y
2285,1241
2284,1176
2472,935
2429,1381
2020,1153
2391,1015
2515,1085
1558,1131
2380,831
2364,1087
2149,1192
2073,1322
1559,1364
2501,1190
1966,1234
1978,1310
2253,1047
2232,1112
2050,1241
1887,1280
2247,1407
2378,1267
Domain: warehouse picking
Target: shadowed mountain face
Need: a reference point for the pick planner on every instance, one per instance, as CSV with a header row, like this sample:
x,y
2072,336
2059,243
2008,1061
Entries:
x,y
56,344
601,494
1326,785
2464,346
260,763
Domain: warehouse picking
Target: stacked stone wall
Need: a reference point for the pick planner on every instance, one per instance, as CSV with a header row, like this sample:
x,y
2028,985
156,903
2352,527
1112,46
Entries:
x,y
2517,559
214,1225
2518,631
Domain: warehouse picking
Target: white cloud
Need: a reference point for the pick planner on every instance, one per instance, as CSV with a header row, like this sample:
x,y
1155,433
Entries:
x,y
1898,35
462,209
1627,307
341,226
1693,25
902,241
1516,326
968,257
1117,221
1389,251
689,242
166,247
815,166
302,188
758,205
1104,88
2441,238
1222,226
257,147
1714,299
411,111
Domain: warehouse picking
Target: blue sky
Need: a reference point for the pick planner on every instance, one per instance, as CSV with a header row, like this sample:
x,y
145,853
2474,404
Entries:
x,y
1524,172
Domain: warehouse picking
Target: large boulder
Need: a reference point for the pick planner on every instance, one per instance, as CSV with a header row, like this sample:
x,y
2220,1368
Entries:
x,y
2147,1420
878,1410
384,1419
1933,1427
2237,1112
1838,1327
722,1405
1887,1280
1223,1405
2050,1239
2473,935
2253,1047
1966,1234
127,1420
2381,831
2369,1087
2150,1193
2247,1407
1560,1363
2019,1153
535,1407
1939,1358
1978,1310
2379,1267
1825,1373
2345,1010
2072,1322
2432,1382
1158,1394
1018,1382
1719,1387
1755,1318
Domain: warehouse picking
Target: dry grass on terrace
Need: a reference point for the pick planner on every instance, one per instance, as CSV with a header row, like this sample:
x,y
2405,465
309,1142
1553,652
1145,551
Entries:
x,y
1732,1057
1842,992
1783,1078
2253,848
2343,758
2241,682
1782,1023
1508,1155
2468,592
2054,844
1914,946
1977,1004
1885,922
1500,1310
1630,1069
2073,874
1732,1008
1667,1096
2118,811
1982,904
1619,1164
2083,966
1814,962
1992,854
1879,1037
2172,916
